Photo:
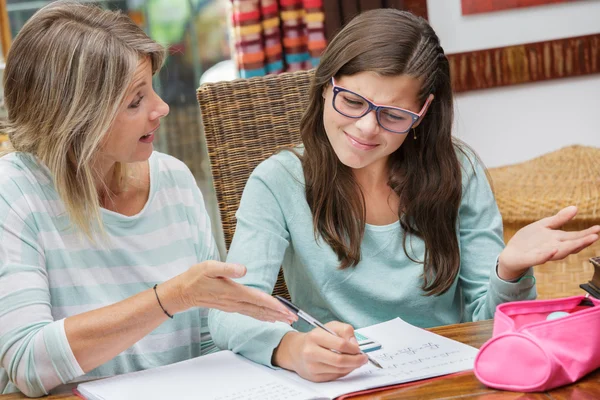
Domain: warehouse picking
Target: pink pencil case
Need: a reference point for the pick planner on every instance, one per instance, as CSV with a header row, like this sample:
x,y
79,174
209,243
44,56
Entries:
x,y
529,353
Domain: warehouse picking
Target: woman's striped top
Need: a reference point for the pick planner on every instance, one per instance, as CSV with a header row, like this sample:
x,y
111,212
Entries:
x,y
50,271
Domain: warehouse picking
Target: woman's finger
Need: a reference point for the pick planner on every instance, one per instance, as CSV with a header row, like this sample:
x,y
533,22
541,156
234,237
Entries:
x,y
251,310
260,298
266,314
217,269
236,292
263,314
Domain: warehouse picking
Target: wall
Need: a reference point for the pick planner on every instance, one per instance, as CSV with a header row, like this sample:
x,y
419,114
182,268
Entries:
x,y
515,123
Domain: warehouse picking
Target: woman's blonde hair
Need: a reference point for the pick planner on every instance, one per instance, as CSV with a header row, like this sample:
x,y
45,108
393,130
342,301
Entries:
x,y
67,74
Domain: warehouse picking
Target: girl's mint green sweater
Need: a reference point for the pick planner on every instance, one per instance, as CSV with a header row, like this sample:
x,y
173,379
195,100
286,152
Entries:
x,y
275,228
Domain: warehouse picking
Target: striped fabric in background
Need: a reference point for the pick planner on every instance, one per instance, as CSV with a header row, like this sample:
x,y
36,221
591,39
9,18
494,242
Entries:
x,y
273,36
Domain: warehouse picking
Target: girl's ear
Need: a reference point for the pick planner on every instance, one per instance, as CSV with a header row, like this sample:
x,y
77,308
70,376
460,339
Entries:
x,y
427,104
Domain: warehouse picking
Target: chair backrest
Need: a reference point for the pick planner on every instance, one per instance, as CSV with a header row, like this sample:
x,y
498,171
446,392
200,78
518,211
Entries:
x,y
246,121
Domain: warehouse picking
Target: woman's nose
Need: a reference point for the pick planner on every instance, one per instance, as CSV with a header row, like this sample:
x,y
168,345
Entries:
x,y
161,109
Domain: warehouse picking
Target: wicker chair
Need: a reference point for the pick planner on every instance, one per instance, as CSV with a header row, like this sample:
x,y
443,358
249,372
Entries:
x,y
539,188
245,121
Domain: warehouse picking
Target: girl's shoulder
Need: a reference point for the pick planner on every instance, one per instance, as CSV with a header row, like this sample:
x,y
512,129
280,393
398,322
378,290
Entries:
x,y
283,166
465,154
282,175
470,164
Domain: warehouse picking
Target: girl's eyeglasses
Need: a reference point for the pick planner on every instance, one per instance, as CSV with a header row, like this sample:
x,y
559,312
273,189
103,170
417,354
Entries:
x,y
393,119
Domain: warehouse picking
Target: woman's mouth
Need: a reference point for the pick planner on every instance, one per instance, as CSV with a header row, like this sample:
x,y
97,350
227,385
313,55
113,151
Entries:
x,y
149,137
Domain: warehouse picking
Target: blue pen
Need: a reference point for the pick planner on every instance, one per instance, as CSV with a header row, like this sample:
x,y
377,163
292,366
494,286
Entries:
x,y
314,322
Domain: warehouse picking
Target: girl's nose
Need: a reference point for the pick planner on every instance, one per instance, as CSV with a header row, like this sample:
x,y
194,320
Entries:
x,y
368,124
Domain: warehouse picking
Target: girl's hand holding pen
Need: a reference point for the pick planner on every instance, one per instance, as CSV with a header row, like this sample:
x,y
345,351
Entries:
x,y
318,355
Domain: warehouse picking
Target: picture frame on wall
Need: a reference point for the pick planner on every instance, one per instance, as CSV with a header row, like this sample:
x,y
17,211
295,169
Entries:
x,y
522,63
483,6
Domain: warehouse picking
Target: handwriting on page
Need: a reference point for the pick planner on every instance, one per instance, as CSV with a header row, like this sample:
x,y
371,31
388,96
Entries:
x,y
408,360
408,353
268,391
412,350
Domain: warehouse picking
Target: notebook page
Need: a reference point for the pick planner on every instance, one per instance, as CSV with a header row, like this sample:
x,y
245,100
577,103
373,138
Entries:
x,y
407,354
218,376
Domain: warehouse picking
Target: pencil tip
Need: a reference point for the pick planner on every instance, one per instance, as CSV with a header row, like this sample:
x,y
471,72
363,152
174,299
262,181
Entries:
x,y
375,363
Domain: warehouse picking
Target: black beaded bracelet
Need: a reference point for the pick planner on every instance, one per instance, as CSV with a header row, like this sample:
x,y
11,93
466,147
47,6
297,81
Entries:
x,y
160,304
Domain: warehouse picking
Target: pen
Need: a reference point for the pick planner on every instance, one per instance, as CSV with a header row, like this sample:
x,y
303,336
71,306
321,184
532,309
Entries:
x,y
314,322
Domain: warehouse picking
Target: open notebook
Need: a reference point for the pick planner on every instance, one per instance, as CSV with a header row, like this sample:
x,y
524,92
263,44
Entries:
x,y
408,354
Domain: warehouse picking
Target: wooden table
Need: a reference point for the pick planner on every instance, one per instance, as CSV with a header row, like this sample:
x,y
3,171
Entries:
x,y
464,386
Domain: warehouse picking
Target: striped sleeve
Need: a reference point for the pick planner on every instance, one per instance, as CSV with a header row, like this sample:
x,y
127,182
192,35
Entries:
x,y
34,351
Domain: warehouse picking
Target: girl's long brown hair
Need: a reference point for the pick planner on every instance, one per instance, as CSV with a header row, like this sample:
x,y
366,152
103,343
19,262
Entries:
x,y
425,172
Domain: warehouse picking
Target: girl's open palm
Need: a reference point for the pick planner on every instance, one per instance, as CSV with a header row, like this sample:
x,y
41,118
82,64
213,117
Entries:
x,y
542,241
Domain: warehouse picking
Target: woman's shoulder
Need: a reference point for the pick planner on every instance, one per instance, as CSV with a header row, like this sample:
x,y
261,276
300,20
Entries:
x,y
167,162
22,171
170,170
26,185
17,162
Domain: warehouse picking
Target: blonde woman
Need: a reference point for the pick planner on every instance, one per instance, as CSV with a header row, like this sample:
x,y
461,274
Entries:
x,y
105,245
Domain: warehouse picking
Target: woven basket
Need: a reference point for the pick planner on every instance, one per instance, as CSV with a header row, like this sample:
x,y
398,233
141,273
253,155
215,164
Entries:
x,y
541,187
